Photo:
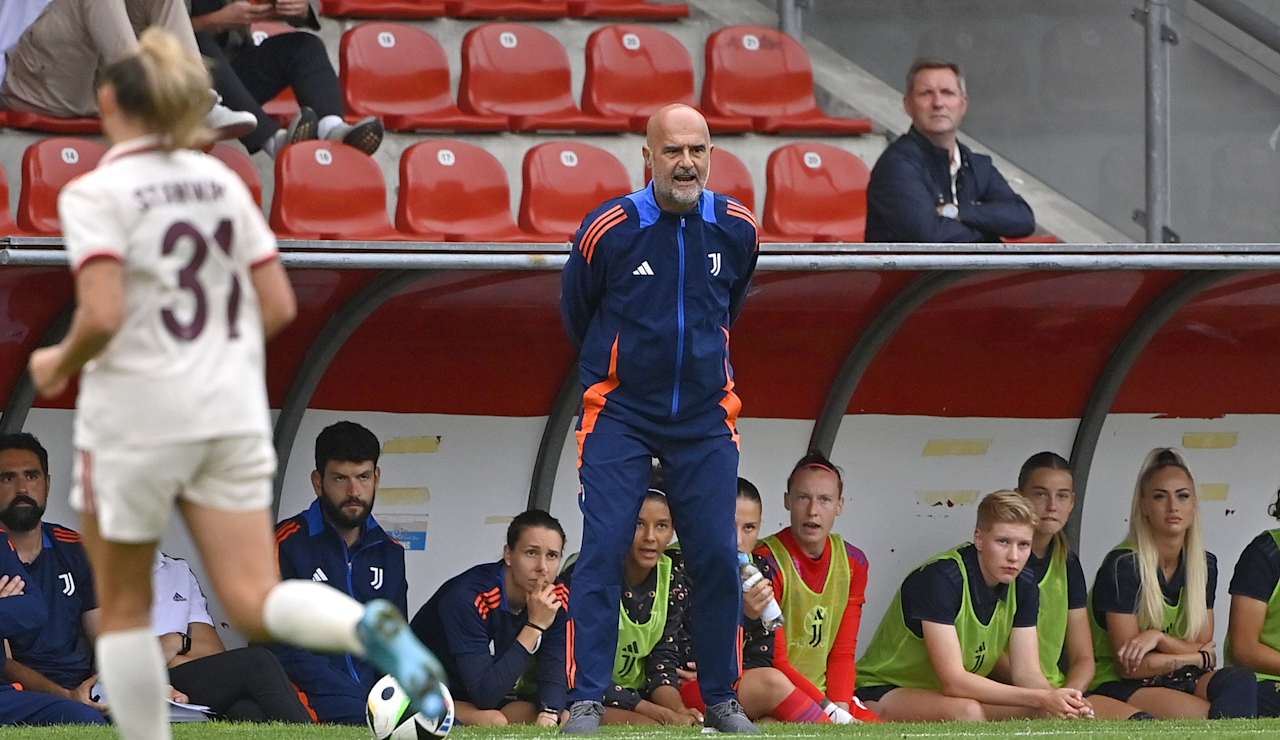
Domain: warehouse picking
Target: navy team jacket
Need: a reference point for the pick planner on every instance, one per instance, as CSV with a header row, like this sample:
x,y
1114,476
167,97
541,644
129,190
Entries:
x,y
649,297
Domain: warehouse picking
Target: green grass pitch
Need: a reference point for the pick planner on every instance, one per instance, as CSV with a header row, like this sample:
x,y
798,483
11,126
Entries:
x,y
1201,730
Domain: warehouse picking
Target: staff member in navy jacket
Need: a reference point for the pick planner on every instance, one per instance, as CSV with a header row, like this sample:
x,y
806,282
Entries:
x,y
337,541
927,186
650,290
498,628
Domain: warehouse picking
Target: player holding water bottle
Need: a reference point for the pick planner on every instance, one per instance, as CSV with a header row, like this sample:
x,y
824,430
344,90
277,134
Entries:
x,y
769,686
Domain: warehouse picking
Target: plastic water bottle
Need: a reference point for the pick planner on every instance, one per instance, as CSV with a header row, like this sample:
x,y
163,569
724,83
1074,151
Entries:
x,y
751,575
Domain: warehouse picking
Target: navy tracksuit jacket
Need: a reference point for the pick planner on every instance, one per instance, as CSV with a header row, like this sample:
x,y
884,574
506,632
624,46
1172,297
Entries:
x,y
337,686
649,297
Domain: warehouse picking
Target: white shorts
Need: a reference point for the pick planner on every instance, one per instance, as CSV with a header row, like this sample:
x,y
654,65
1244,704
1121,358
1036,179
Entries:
x,y
131,490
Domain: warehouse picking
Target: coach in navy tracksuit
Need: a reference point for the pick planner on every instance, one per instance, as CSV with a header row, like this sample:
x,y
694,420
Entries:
x,y
337,541
650,290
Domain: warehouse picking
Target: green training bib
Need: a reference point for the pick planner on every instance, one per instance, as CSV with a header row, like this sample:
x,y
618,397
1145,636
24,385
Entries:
x,y
812,619
1051,623
1105,668
897,657
637,640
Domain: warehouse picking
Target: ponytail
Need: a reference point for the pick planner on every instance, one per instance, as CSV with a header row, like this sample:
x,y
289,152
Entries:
x,y
164,87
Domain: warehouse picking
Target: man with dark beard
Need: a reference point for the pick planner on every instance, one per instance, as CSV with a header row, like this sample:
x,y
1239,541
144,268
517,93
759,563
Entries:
x,y
337,541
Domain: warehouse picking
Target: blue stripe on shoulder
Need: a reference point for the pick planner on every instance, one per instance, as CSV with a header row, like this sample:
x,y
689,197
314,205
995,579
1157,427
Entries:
x,y
646,206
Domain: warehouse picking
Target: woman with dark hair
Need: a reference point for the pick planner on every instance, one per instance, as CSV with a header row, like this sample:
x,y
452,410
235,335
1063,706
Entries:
x,y
1152,607
1253,635
1045,481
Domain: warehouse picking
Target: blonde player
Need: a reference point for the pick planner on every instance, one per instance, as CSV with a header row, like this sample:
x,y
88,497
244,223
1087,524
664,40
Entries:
x,y
177,287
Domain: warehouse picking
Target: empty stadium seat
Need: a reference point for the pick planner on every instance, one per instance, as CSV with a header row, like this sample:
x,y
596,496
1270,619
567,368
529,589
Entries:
x,y
765,74
728,176
519,9
523,72
401,9
818,190
49,124
284,106
634,70
7,226
240,163
327,190
400,74
457,189
563,182
47,166
637,9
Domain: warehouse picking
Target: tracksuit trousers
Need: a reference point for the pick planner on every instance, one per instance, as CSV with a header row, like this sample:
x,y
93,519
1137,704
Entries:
x,y
701,479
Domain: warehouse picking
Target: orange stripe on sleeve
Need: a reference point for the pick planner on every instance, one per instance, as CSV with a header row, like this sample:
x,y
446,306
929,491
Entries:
x,y
570,665
595,226
594,399
591,247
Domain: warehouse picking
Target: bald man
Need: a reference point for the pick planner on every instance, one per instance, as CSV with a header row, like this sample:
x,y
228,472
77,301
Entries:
x,y
652,285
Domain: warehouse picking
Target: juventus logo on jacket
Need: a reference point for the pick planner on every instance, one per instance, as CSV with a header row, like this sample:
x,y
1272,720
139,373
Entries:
x,y
68,583
376,581
715,262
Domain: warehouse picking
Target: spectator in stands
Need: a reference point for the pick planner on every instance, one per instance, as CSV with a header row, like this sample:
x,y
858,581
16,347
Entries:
x,y
56,657
248,75
645,684
499,630
337,541
1253,637
1063,625
246,684
1152,607
766,691
50,50
820,581
951,621
657,380
929,187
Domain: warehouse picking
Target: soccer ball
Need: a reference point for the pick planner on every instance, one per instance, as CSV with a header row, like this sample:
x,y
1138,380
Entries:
x,y
388,717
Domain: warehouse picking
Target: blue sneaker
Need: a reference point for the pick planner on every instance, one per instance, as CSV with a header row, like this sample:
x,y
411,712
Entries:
x,y
390,645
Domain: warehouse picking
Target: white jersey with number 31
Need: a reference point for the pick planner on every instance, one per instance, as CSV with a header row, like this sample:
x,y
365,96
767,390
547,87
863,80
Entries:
x,y
188,362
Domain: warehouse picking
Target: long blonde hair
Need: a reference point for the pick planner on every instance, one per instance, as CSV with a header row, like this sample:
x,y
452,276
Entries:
x,y
166,88
1195,563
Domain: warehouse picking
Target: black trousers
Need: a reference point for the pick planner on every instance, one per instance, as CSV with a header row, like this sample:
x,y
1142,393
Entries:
x,y
247,685
253,75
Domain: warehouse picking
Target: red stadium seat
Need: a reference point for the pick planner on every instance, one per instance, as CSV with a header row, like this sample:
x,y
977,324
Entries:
x,y
563,182
457,189
765,74
400,9
816,191
515,9
1036,238
399,73
47,166
284,106
637,9
240,163
728,176
7,226
634,70
49,124
327,190
520,71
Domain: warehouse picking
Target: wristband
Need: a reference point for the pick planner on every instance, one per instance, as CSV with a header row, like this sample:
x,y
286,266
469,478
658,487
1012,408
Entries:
x,y
531,624
1204,659
186,644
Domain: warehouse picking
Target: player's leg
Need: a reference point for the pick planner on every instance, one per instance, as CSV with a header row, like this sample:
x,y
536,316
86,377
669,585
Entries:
x,y
1230,691
225,510
614,474
469,715
767,692
124,496
34,708
1104,707
520,712
701,478
616,716
922,705
1165,703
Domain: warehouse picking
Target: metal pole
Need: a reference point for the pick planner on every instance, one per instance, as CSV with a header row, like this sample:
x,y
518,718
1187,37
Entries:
x,y
790,18
1158,36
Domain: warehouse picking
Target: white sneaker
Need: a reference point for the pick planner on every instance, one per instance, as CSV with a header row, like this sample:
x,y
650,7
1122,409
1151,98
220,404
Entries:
x,y
230,124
